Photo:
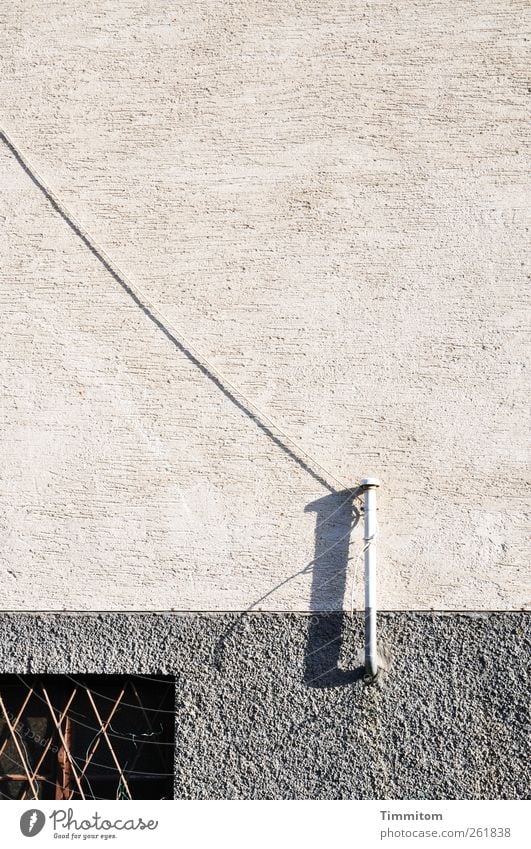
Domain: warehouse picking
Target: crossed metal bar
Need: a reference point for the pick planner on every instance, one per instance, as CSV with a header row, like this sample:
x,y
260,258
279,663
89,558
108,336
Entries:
x,y
49,743
13,733
104,732
98,739
31,775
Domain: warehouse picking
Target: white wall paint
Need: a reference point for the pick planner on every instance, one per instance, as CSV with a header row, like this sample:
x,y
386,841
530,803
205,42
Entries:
x,y
329,201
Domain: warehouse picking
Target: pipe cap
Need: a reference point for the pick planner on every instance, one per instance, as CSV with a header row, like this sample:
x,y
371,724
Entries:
x,y
370,482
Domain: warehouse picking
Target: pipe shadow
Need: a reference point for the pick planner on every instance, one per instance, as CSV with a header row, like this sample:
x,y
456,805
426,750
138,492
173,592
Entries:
x,y
337,515
336,512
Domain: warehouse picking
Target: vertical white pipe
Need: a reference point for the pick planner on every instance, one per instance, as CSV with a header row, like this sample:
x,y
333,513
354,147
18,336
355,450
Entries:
x,y
370,524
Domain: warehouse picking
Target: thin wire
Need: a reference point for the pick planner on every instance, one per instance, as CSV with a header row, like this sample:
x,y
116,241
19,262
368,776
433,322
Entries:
x,y
28,761
107,698
357,558
85,776
98,733
142,298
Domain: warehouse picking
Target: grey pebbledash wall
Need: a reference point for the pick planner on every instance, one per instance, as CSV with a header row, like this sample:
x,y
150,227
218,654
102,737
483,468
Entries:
x,y
274,706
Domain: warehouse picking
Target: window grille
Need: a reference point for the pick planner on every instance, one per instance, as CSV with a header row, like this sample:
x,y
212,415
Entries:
x,y
86,737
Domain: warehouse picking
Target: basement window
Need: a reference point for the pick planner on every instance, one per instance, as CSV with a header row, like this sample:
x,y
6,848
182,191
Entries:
x,y
86,737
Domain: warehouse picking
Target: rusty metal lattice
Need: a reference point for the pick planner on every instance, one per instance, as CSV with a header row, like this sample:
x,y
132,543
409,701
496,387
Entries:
x,y
86,737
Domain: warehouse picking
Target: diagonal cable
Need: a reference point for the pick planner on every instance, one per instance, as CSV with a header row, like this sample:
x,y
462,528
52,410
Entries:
x,y
229,389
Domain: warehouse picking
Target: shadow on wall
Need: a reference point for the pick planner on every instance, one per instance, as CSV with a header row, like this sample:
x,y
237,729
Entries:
x,y
337,516
336,512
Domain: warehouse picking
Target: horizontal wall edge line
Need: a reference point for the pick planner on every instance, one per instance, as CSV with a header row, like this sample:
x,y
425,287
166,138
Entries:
x,y
416,611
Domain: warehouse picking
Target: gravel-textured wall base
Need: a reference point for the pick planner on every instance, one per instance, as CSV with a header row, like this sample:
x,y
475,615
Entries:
x,y
274,706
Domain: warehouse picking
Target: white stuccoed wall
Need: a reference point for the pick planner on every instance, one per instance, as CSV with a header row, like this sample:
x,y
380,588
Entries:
x,y
328,200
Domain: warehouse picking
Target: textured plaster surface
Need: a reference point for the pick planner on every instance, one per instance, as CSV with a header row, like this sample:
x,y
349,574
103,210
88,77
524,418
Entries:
x,y
273,706
329,201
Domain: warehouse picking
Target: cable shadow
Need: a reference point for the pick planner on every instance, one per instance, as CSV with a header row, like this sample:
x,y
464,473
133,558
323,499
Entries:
x,y
337,516
261,425
335,511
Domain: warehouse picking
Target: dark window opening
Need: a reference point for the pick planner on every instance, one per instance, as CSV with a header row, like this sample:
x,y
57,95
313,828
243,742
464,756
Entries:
x,y
86,737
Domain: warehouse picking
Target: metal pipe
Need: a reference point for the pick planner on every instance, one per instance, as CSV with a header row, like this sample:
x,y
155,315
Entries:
x,y
370,525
